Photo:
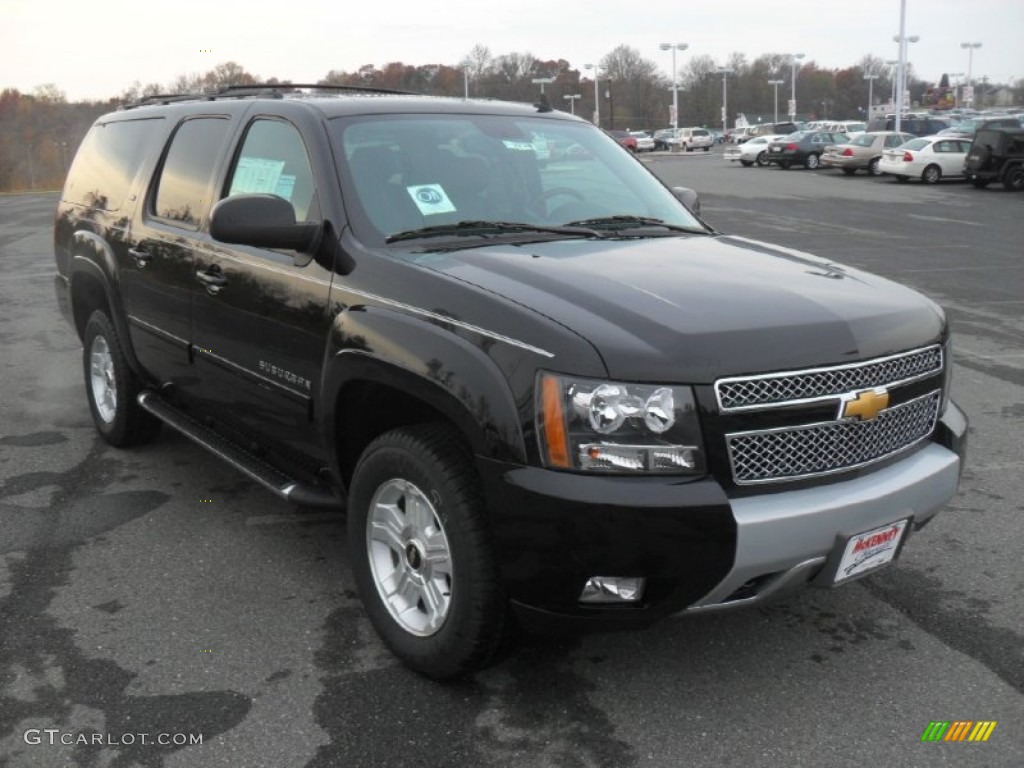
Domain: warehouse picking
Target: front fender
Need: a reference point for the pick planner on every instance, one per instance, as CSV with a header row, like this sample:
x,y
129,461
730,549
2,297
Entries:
x,y
456,375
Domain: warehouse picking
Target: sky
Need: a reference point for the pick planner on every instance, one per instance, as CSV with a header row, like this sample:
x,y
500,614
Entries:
x,y
99,49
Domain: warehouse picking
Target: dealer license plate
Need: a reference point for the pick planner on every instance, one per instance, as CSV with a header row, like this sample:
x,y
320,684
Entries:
x,y
870,550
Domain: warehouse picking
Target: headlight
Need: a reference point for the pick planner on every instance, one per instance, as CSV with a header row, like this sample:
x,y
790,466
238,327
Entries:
x,y
605,426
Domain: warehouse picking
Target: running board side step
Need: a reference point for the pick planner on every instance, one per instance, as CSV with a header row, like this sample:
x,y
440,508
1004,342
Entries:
x,y
303,494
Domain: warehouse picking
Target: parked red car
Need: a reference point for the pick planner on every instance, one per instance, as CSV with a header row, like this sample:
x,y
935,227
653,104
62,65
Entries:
x,y
624,138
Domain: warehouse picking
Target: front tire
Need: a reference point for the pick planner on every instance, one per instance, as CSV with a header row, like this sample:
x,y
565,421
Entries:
x,y
421,552
112,387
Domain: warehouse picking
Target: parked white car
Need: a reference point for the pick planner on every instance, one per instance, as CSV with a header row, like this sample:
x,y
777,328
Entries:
x,y
930,159
751,151
695,138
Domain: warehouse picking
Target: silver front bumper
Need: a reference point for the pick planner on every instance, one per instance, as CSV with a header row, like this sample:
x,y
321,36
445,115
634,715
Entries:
x,y
783,539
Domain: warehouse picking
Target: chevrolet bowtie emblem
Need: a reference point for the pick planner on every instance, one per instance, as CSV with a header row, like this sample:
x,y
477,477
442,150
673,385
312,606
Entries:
x,y
864,405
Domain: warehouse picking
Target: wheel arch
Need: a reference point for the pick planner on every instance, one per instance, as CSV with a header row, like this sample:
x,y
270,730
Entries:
x,y
395,377
92,278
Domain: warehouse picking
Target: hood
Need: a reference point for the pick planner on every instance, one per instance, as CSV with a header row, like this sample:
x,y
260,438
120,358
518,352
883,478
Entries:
x,y
694,308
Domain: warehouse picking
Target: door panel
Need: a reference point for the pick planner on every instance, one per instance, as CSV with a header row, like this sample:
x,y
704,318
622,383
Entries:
x,y
156,268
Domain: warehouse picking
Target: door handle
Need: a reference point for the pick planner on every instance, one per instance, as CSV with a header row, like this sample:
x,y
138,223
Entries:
x,y
213,280
141,256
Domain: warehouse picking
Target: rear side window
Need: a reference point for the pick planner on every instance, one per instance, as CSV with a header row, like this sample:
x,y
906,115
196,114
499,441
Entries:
x,y
864,140
183,189
108,160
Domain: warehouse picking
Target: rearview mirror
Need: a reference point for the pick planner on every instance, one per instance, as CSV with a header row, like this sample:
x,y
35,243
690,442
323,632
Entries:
x,y
262,221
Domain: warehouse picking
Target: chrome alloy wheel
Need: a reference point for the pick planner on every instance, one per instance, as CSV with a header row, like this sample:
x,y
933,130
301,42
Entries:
x,y
410,560
101,379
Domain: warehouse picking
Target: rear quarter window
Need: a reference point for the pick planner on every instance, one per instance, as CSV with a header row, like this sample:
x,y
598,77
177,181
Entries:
x,y
107,161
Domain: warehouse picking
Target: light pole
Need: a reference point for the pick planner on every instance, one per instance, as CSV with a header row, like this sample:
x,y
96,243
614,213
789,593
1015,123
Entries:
x,y
901,76
542,81
725,72
571,98
871,86
893,63
970,63
792,97
776,83
597,93
675,79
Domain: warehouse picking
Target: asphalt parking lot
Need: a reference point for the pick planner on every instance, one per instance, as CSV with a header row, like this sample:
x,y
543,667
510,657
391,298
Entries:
x,y
158,591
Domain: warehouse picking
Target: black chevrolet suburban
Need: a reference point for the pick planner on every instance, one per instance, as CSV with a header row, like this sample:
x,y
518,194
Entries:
x,y
544,391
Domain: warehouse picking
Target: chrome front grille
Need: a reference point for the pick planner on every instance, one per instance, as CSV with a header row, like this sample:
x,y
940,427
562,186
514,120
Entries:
x,y
787,388
812,450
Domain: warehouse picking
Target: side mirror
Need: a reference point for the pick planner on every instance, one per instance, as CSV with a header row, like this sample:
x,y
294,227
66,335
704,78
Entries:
x,y
262,221
688,198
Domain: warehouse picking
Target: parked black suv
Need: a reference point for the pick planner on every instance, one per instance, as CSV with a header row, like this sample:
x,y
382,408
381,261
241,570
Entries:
x,y
997,154
543,388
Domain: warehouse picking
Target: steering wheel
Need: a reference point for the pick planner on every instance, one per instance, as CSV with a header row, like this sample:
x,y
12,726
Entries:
x,y
556,191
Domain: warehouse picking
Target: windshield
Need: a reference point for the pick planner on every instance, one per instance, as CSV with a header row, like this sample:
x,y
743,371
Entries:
x,y
409,172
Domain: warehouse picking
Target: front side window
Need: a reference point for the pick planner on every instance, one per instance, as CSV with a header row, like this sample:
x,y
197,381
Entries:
x,y
404,173
273,160
183,189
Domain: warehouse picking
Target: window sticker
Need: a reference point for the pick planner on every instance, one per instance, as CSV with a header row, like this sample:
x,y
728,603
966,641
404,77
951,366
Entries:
x,y
430,199
257,174
285,186
521,146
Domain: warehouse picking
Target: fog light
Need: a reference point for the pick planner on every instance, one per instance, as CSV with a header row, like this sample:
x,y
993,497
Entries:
x,y
613,589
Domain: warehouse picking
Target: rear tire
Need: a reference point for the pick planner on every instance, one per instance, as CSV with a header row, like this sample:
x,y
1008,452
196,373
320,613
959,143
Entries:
x,y
811,162
746,163
421,552
1013,179
112,387
931,174
784,164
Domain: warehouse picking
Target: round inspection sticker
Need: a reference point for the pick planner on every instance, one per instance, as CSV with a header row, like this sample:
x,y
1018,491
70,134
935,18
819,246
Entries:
x,y
430,199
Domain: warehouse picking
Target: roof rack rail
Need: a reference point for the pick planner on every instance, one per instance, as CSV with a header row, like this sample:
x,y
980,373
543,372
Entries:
x,y
262,88
167,98
252,90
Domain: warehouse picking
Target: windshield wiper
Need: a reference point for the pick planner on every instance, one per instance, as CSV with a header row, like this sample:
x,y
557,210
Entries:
x,y
631,222
490,228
